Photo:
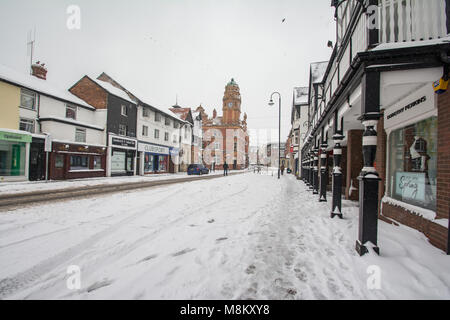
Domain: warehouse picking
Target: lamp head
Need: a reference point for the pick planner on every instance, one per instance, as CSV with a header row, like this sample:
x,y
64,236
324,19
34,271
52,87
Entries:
x,y
271,103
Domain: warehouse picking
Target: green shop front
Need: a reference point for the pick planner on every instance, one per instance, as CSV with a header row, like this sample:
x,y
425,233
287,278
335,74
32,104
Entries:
x,y
14,153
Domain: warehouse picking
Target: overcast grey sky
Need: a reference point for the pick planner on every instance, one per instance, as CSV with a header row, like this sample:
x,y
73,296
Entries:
x,y
189,48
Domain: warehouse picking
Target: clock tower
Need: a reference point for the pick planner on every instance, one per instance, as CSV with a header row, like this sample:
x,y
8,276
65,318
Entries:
x,y
232,104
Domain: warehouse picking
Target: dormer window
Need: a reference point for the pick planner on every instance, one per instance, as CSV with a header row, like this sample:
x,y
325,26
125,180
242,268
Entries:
x,y
71,112
124,110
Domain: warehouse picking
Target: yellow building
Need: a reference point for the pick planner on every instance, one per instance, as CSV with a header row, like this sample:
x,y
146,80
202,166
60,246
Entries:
x,y
14,144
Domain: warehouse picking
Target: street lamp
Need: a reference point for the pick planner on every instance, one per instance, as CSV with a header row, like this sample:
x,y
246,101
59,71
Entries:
x,y
271,103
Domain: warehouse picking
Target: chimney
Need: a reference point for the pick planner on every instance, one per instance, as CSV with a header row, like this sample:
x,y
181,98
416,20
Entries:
x,y
39,71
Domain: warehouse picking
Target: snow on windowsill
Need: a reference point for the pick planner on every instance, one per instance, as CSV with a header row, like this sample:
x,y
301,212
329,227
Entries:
x,y
421,212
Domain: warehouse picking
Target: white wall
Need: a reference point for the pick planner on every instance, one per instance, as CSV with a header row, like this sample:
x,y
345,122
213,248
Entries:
x,y
152,125
50,108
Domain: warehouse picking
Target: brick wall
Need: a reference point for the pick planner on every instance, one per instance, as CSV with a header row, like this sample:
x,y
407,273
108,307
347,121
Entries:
x,y
89,91
443,166
355,163
436,233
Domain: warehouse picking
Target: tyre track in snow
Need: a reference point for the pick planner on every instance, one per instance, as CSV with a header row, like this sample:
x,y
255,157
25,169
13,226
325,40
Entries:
x,y
27,278
9,286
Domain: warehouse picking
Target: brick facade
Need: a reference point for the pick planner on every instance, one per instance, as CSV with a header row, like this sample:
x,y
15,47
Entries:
x,y
354,163
92,93
436,233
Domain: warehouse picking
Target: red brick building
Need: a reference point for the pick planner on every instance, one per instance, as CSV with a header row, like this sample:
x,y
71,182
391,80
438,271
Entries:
x,y
225,138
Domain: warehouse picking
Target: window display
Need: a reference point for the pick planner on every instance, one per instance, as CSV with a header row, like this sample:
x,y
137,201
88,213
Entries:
x,y
413,164
118,161
79,163
12,158
148,163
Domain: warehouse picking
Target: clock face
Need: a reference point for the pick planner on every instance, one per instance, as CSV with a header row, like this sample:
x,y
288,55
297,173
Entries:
x,y
230,104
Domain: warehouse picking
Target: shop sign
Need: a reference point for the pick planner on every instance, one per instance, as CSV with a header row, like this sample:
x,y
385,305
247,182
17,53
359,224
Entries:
x,y
422,101
151,148
410,185
15,137
123,143
48,143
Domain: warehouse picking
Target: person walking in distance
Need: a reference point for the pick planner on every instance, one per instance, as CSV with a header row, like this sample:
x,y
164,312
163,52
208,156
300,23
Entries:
x,y
225,169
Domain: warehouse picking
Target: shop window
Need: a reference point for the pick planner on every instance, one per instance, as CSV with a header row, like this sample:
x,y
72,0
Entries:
x,y
12,158
26,125
123,129
80,135
59,161
166,136
145,131
118,161
27,99
413,164
148,163
97,163
162,165
71,112
78,163
156,134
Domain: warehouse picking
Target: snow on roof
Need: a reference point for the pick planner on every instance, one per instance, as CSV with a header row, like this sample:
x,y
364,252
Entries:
x,y
398,45
301,95
318,70
43,86
113,90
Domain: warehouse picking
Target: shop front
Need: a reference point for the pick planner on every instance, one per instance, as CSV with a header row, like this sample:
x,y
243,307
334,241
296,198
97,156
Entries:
x,y
122,156
14,154
412,164
76,161
153,159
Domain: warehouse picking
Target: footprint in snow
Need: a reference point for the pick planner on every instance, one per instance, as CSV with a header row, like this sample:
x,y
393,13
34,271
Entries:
x,y
150,257
182,252
221,239
99,284
250,270
211,221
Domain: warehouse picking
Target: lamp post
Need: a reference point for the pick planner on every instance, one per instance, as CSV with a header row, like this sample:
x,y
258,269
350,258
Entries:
x,y
271,103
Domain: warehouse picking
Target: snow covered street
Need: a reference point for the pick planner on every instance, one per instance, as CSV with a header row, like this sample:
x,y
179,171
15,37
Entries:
x,y
248,236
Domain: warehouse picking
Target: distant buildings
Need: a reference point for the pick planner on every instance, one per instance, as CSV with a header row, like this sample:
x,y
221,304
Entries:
x,y
225,138
101,128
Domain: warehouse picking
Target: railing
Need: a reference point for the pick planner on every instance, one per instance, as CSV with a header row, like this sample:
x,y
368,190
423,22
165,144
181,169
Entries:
x,y
412,20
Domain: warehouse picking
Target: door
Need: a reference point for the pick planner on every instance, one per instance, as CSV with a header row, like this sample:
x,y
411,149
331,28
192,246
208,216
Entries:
x,y
235,165
37,162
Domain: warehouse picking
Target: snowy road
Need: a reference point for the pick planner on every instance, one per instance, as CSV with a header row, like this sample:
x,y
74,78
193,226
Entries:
x,y
242,237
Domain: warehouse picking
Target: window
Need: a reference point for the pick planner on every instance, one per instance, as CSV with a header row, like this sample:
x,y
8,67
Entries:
x,y
157,117
166,136
27,99
217,146
145,112
79,163
413,164
71,112
156,134
124,110
59,161
185,132
167,121
235,146
176,125
145,131
123,129
80,135
97,163
175,139
26,125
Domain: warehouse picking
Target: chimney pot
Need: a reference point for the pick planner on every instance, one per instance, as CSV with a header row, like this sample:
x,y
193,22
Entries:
x,y
39,70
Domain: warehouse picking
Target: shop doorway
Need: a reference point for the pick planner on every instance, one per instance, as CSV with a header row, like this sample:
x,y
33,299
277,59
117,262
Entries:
x,y
235,165
37,160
